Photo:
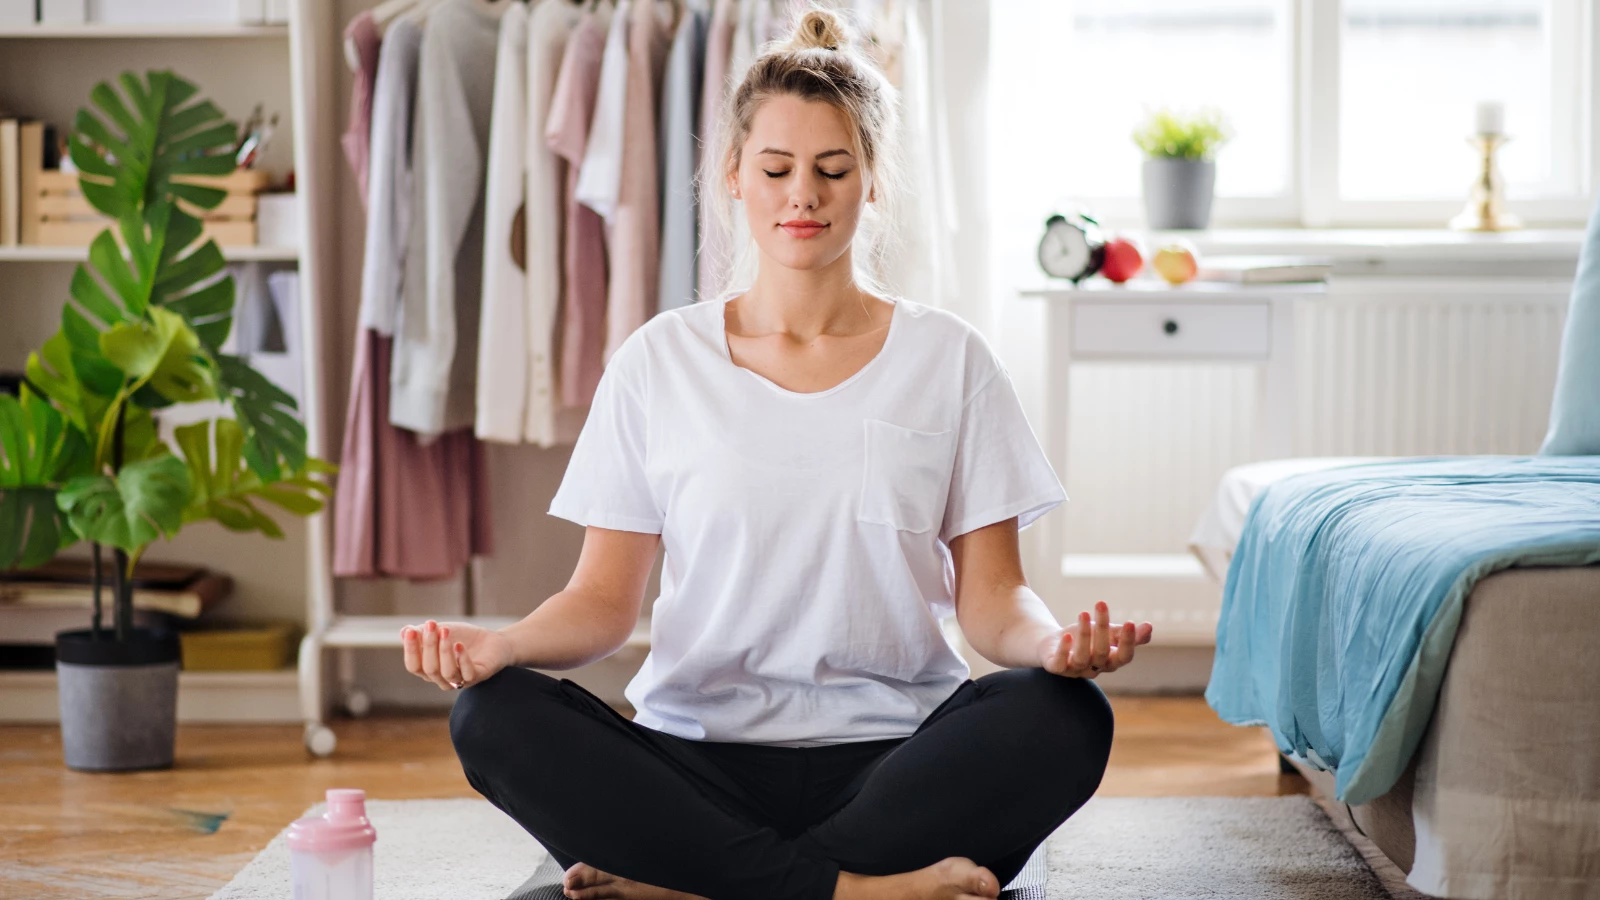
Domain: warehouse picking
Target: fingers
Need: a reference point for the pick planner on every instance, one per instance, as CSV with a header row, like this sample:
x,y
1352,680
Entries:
x,y
469,672
1100,643
1059,655
431,668
1126,639
430,653
448,667
1081,637
411,642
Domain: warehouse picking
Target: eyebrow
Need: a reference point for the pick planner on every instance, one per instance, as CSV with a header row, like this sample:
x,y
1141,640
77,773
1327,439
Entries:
x,y
772,151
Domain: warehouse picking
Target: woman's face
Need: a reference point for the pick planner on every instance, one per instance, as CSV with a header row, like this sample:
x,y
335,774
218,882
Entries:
x,y
802,186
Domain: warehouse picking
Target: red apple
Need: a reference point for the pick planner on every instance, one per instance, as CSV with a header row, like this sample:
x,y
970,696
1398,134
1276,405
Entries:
x,y
1177,262
1123,260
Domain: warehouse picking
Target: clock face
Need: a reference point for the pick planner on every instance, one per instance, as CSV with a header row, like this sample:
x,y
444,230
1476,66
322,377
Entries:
x,y
1065,251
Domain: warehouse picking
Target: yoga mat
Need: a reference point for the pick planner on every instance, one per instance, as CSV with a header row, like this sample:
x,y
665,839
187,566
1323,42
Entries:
x,y
1114,848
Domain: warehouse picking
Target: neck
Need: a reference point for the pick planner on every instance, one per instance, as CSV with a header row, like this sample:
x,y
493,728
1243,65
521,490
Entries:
x,y
805,302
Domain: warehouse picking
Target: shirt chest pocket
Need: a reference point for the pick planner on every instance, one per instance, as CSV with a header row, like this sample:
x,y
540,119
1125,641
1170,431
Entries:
x,y
906,476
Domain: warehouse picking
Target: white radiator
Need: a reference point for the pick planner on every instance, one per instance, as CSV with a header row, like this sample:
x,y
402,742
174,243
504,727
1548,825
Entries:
x,y
1390,367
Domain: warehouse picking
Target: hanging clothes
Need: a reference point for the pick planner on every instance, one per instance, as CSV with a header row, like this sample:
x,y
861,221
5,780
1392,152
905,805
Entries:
x,y
713,243
399,507
680,158
363,34
503,351
635,233
600,177
436,344
583,264
921,265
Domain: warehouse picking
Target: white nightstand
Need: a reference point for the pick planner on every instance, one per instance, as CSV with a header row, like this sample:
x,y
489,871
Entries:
x,y
1155,322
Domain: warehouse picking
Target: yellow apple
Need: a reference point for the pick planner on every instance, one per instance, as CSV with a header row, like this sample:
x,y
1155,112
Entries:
x,y
1176,261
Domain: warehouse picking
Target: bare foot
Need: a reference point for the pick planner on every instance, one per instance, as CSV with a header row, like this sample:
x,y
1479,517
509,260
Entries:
x,y
585,882
952,878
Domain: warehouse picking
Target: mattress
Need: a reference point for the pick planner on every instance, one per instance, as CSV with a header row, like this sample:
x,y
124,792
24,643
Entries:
x,y
1217,532
1502,798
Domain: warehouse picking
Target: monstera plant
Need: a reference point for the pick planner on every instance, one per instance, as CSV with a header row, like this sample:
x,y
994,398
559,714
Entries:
x,y
80,452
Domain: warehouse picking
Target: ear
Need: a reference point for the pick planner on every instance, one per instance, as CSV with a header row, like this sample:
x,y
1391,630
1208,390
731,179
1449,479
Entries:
x,y
733,184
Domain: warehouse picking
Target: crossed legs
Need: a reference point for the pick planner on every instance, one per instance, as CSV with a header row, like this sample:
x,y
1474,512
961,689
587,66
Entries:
x,y
987,776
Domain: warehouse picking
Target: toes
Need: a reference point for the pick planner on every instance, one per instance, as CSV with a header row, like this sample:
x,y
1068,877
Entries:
x,y
985,883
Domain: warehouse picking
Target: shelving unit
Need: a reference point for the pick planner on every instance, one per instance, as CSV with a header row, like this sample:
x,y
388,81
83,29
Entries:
x,y
22,253
46,72
144,31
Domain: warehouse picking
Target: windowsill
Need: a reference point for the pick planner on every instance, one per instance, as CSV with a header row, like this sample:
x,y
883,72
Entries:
x,y
1379,245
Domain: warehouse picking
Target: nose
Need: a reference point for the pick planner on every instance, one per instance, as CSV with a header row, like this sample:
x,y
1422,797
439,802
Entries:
x,y
805,192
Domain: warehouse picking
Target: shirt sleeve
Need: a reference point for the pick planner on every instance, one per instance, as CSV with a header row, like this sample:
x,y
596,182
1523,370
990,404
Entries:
x,y
606,484
1000,469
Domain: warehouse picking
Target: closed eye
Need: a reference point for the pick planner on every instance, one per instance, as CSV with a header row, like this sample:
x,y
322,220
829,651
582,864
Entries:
x,y
834,175
775,174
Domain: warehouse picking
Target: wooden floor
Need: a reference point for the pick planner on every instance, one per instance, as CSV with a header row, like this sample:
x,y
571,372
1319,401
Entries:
x,y
184,832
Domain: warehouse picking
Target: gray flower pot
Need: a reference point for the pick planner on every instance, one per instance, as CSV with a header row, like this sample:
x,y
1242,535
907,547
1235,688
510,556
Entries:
x,y
1177,192
119,699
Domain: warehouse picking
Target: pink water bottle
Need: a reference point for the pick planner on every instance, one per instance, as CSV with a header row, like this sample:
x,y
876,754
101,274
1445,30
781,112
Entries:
x,y
330,856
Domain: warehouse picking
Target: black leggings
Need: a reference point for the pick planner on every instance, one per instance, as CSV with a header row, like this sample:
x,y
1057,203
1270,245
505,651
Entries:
x,y
988,775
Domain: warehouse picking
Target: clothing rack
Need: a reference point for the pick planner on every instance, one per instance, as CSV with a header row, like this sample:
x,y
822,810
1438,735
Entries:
x,y
434,431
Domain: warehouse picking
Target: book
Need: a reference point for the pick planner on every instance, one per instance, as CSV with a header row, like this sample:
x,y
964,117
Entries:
x,y
10,209
1264,269
36,625
30,163
187,602
74,570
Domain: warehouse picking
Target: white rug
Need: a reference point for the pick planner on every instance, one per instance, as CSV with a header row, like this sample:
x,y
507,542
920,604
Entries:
x,y
1114,848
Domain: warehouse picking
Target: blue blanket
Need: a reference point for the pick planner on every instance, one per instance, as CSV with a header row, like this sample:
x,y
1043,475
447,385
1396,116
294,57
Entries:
x,y
1344,595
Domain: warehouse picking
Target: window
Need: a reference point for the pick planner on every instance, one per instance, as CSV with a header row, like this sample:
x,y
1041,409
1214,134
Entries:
x,y
1411,74
1344,112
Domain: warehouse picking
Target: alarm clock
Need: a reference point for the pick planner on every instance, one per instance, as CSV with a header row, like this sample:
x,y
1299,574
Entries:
x,y
1072,247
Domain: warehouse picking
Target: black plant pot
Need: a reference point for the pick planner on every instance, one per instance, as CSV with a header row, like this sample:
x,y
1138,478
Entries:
x,y
119,699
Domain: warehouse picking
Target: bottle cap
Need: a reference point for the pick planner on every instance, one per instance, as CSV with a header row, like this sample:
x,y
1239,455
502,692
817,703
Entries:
x,y
343,827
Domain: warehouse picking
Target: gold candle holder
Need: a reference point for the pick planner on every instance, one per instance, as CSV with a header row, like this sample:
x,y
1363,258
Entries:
x,y
1485,209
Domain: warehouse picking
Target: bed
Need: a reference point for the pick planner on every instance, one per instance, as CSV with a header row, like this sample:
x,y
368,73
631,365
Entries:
x,y
1493,788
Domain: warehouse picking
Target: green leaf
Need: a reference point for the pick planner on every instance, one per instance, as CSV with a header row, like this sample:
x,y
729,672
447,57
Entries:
x,y
164,352
143,501
224,487
1168,134
50,369
132,154
38,450
275,439
105,257
209,311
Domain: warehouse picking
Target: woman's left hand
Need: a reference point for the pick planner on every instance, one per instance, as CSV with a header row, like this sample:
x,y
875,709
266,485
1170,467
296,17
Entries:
x,y
1083,650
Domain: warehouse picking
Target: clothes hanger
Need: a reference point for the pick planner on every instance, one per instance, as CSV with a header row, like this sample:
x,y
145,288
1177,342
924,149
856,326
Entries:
x,y
382,15
419,13
389,10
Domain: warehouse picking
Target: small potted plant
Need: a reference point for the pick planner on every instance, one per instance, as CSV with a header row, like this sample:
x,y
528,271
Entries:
x,y
80,454
1180,169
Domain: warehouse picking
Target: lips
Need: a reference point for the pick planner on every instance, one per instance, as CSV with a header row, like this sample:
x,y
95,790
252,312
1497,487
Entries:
x,y
802,228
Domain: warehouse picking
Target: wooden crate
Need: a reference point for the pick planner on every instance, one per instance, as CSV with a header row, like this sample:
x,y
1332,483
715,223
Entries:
x,y
61,217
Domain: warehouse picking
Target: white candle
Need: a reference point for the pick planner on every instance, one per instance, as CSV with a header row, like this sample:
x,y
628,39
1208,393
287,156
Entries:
x,y
1491,117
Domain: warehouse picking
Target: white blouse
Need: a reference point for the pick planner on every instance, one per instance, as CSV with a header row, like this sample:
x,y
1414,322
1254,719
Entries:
x,y
806,534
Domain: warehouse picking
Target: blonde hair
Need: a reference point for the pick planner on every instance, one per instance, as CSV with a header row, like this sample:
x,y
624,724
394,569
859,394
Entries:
x,y
818,62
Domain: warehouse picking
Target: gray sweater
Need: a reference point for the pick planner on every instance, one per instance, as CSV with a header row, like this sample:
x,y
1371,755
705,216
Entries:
x,y
435,353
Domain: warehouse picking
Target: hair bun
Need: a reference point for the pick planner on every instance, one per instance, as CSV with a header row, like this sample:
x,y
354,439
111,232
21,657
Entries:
x,y
819,29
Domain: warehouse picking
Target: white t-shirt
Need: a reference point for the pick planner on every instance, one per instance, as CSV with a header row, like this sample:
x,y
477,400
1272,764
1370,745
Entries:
x,y
807,567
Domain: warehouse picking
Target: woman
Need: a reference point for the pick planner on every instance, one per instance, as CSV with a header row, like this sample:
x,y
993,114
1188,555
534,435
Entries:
x,y
832,472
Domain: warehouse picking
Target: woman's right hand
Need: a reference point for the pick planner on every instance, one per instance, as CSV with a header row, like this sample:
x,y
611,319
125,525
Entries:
x,y
454,655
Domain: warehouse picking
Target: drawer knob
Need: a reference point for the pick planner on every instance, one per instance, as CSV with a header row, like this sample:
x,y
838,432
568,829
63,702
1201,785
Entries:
x,y
1170,326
